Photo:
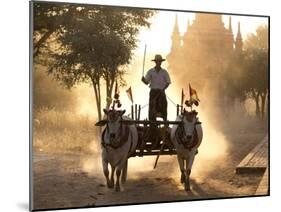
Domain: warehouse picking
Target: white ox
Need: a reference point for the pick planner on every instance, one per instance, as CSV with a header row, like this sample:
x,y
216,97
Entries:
x,y
186,138
119,140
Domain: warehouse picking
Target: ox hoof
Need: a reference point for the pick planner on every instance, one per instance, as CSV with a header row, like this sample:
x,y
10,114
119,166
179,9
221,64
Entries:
x,y
123,180
187,187
117,188
182,179
110,185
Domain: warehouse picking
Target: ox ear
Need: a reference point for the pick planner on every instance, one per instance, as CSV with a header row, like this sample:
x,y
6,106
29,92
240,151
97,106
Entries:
x,y
122,112
198,122
128,122
101,123
105,111
195,112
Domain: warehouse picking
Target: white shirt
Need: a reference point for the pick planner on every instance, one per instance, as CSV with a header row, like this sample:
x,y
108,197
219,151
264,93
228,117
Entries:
x,y
157,79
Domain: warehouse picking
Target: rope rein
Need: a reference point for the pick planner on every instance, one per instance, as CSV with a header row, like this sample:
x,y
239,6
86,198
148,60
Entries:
x,y
171,101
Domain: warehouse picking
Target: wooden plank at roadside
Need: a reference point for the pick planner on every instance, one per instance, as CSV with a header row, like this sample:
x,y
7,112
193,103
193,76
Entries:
x,y
263,186
256,161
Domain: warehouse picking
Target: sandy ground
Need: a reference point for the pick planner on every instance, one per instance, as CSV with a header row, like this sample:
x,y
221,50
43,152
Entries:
x,y
76,180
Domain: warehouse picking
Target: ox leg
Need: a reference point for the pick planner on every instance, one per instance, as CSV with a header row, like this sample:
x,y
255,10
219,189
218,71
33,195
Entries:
x,y
124,172
119,168
181,164
106,173
112,177
189,164
187,174
118,173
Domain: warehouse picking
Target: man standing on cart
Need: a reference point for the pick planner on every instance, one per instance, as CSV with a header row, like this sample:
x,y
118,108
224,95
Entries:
x,y
158,80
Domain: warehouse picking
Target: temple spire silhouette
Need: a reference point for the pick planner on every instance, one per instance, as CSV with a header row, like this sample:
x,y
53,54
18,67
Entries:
x,y
230,25
239,40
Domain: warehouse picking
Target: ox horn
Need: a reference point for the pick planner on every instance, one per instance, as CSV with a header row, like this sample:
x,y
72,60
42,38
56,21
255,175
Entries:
x,y
101,123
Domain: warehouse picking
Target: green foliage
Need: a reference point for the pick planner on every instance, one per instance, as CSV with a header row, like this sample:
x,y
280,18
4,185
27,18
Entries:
x,y
259,40
248,76
90,43
256,67
96,42
49,19
256,57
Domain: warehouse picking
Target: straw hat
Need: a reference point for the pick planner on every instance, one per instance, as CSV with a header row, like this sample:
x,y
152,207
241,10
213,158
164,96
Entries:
x,y
158,57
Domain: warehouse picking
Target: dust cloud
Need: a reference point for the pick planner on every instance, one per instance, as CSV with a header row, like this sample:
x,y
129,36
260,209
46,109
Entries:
x,y
212,151
214,147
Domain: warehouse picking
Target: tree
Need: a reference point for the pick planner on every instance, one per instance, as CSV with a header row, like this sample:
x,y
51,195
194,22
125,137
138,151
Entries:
x,y
95,44
234,77
248,75
48,19
256,51
257,79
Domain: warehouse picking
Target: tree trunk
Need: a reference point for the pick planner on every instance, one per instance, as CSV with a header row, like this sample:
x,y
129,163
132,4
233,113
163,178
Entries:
x,y
263,100
257,101
97,95
109,87
41,41
99,103
108,95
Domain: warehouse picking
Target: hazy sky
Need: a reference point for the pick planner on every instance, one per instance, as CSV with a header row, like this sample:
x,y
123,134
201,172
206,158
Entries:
x,y
158,37
158,40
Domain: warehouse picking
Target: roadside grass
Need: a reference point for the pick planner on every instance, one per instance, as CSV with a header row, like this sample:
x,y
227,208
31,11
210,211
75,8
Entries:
x,y
63,132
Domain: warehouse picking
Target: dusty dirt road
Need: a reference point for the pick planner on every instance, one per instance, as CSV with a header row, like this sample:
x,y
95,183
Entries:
x,y
76,180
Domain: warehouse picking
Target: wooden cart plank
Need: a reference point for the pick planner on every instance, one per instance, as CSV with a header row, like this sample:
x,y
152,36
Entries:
x,y
153,153
147,122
